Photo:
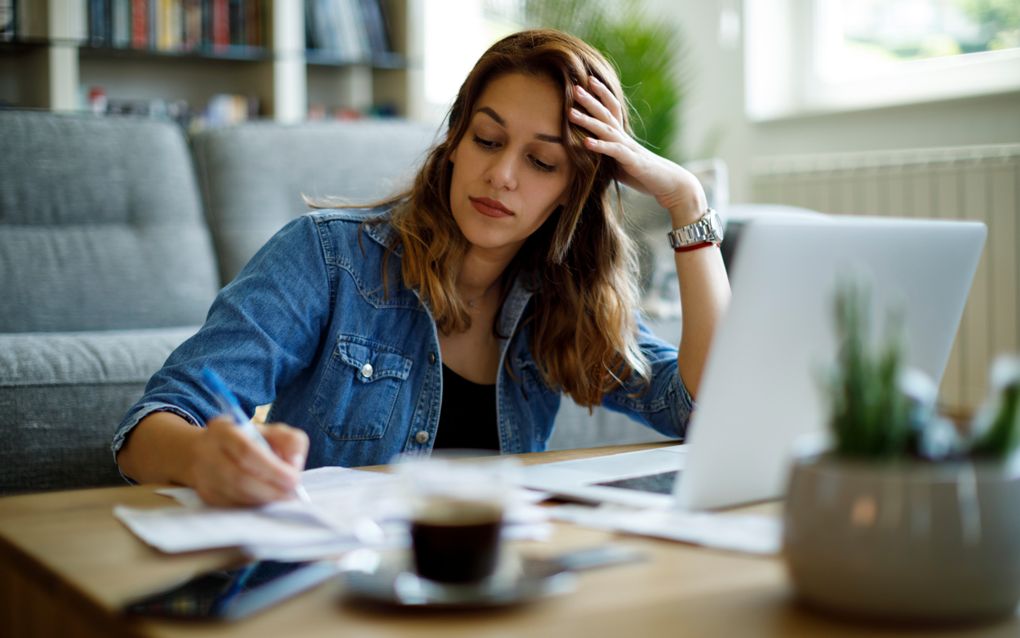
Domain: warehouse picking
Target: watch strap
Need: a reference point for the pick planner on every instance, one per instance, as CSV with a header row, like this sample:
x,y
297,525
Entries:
x,y
707,230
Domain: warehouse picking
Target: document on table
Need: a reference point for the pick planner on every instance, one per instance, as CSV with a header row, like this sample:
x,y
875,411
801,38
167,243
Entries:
x,y
339,497
348,509
745,533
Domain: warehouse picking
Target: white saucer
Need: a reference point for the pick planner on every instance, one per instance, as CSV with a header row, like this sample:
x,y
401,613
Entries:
x,y
390,579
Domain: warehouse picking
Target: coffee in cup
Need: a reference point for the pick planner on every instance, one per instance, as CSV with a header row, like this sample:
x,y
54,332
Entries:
x,y
455,513
456,540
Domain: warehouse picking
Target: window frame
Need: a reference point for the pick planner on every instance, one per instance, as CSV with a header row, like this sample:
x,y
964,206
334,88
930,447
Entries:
x,y
782,78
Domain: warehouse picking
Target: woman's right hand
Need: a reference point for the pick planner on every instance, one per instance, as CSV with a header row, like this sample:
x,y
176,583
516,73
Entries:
x,y
230,469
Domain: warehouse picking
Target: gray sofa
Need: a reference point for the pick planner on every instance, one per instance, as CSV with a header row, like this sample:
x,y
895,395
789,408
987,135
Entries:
x,y
115,235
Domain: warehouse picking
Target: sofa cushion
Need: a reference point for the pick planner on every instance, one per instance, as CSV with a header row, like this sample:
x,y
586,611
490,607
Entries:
x,y
253,176
61,398
100,225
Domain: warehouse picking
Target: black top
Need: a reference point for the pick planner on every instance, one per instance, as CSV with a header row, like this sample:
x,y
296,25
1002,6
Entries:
x,y
467,419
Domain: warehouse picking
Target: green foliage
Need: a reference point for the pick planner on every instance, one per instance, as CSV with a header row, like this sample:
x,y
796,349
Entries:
x,y
878,412
999,20
870,416
647,54
1000,435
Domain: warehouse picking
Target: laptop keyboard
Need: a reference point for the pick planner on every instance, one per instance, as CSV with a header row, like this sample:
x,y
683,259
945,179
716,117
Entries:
x,y
661,483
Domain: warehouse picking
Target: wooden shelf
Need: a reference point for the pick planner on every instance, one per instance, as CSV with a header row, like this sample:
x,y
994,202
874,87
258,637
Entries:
x,y
56,69
231,53
384,62
20,46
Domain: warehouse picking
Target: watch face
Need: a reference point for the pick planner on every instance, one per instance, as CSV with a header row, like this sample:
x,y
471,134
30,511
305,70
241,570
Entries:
x,y
716,224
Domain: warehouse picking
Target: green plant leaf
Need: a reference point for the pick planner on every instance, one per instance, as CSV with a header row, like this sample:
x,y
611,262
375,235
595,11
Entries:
x,y
648,55
999,438
870,416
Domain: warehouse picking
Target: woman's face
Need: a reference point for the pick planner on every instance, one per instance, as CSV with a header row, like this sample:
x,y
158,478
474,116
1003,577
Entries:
x,y
510,170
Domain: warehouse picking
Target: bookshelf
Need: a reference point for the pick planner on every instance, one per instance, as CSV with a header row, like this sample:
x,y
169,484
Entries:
x,y
53,62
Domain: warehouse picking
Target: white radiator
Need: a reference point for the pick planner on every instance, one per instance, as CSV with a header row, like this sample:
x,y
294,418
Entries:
x,y
975,182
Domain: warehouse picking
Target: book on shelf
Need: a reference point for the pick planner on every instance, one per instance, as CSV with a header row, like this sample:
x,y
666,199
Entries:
x,y
191,25
23,20
175,25
139,24
235,16
98,27
121,23
375,24
109,22
8,20
352,31
219,33
163,25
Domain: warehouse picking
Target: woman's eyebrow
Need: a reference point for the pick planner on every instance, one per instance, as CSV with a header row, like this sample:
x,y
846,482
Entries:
x,y
555,139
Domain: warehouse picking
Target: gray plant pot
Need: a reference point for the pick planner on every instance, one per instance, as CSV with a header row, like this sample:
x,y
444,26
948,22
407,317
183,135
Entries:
x,y
905,541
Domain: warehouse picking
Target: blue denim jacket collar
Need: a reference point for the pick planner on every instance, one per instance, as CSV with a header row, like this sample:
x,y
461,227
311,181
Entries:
x,y
513,306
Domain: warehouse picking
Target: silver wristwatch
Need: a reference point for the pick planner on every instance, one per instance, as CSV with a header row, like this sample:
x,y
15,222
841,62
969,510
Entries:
x,y
707,230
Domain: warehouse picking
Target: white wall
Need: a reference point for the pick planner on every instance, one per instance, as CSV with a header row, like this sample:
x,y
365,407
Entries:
x,y
716,104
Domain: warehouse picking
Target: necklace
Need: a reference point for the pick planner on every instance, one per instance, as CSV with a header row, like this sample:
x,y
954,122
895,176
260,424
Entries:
x,y
474,302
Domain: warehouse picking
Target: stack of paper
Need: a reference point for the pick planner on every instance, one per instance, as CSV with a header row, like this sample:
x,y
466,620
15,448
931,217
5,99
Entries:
x,y
348,509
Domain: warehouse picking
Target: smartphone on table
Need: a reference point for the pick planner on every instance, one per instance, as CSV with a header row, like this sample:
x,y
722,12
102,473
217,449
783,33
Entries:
x,y
233,593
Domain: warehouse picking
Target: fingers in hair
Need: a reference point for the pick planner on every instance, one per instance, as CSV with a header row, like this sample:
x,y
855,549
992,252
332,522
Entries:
x,y
607,97
594,106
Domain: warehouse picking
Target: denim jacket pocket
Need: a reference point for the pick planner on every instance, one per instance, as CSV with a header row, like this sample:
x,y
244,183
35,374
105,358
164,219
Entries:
x,y
358,391
532,383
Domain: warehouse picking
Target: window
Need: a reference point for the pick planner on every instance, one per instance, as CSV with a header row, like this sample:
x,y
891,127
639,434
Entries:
x,y
456,35
808,56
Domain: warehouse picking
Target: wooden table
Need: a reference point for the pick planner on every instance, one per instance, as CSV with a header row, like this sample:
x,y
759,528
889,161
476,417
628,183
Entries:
x,y
66,565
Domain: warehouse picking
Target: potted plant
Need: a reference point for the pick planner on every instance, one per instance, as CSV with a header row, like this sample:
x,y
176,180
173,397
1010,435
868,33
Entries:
x,y
905,518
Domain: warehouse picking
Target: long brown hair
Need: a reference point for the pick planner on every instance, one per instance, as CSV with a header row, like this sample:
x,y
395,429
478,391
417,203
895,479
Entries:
x,y
582,263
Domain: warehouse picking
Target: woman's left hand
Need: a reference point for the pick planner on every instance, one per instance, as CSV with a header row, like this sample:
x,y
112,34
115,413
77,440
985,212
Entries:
x,y
673,187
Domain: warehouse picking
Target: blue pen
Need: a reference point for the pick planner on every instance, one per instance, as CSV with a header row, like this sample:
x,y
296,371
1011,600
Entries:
x,y
229,405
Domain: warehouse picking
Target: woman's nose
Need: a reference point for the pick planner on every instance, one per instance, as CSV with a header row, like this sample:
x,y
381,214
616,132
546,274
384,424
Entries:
x,y
502,172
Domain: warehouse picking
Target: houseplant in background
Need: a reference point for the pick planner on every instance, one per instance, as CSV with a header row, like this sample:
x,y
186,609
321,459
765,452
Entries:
x,y
649,54
905,519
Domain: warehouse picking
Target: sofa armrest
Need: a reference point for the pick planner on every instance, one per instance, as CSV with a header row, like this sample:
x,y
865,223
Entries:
x,y
61,398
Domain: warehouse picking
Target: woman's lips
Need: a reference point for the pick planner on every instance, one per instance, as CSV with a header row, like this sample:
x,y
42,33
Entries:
x,y
490,207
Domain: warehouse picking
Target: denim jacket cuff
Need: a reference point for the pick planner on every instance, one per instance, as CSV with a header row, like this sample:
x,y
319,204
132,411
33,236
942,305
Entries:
x,y
133,419
682,403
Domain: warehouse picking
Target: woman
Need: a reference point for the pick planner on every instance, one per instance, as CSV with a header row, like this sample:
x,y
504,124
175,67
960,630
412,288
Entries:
x,y
453,315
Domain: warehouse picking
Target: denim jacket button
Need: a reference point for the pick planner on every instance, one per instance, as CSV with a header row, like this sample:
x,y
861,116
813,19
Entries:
x,y
432,357
367,370
422,436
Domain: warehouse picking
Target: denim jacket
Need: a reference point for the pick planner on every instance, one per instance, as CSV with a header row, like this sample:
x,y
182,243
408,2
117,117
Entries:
x,y
307,327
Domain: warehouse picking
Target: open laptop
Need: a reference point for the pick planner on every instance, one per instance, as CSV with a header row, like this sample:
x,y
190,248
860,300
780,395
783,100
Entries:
x,y
761,393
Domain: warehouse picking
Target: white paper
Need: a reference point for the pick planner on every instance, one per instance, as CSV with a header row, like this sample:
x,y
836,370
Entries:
x,y
320,483
306,551
336,515
183,495
348,509
747,533
184,529
395,537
